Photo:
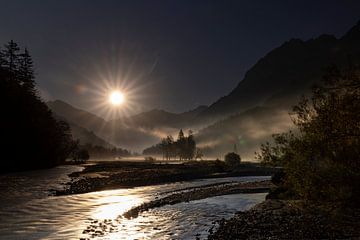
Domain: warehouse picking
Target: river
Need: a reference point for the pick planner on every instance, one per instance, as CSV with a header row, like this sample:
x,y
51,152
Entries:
x,y
27,211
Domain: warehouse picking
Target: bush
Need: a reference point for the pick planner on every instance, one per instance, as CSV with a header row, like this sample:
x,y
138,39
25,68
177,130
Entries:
x,y
219,165
232,159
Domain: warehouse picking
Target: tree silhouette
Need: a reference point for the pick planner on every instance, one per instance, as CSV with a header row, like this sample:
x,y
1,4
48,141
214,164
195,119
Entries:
x,y
26,71
32,138
10,58
184,147
321,159
232,159
181,145
190,146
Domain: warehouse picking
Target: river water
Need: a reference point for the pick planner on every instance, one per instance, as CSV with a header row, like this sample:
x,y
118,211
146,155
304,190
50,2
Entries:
x,y
28,212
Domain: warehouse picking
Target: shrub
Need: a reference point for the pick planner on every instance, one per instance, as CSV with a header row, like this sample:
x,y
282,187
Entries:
x,y
232,159
219,165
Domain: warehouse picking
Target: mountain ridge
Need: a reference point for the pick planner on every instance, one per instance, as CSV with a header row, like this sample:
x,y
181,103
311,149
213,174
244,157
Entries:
x,y
274,83
273,72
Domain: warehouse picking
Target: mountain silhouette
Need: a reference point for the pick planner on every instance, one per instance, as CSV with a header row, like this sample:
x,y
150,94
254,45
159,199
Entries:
x,y
84,135
135,132
287,71
77,116
257,107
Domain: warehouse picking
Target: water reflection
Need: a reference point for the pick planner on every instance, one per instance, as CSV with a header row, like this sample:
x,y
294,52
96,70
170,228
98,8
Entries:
x,y
110,207
99,215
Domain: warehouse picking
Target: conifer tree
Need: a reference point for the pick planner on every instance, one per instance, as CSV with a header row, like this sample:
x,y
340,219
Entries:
x,y
180,145
26,71
11,57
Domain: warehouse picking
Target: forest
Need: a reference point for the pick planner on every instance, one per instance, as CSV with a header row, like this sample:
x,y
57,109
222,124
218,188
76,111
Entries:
x,y
31,137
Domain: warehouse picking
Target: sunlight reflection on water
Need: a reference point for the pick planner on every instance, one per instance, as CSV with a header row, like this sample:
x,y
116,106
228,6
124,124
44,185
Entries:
x,y
110,207
98,215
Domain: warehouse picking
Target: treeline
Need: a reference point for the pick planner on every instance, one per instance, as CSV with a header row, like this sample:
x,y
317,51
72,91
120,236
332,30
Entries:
x,y
31,137
184,148
96,151
321,159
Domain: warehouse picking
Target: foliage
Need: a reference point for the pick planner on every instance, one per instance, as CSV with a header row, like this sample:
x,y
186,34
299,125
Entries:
x,y
184,147
32,138
97,151
219,165
232,159
321,159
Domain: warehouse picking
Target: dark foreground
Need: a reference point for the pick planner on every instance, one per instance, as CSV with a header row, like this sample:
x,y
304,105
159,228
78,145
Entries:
x,y
276,219
113,175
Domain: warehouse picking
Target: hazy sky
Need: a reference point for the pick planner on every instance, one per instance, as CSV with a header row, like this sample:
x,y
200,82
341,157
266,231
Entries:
x,y
172,55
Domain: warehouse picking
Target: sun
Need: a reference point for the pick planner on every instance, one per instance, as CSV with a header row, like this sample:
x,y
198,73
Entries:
x,y
116,98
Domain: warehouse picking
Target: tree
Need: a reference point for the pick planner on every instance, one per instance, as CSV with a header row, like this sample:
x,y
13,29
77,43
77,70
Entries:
x,y
170,151
184,147
27,122
181,145
321,160
163,148
232,159
2,60
26,71
167,145
81,155
190,146
10,56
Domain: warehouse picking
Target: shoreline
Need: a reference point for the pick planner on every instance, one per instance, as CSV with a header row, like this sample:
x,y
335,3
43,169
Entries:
x,y
201,192
99,176
289,219
100,228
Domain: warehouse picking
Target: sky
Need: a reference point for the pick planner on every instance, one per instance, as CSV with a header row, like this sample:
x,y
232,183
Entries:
x,y
171,55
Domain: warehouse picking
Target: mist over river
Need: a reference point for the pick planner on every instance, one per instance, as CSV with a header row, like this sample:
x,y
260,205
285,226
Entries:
x,y
27,211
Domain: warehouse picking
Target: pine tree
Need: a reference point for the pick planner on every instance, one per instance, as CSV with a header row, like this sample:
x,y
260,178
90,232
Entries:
x,y
169,147
190,146
28,122
2,59
26,71
11,57
180,145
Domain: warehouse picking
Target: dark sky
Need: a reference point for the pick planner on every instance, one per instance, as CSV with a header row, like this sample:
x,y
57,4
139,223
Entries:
x,y
172,55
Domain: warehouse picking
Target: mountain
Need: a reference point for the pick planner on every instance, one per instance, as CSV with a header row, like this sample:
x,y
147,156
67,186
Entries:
x,y
83,135
157,118
259,105
77,116
147,128
135,132
244,132
82,123
288,70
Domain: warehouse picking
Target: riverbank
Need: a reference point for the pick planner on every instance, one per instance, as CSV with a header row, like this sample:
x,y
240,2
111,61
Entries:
x,y
197,193
176,208
285,219
99,176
